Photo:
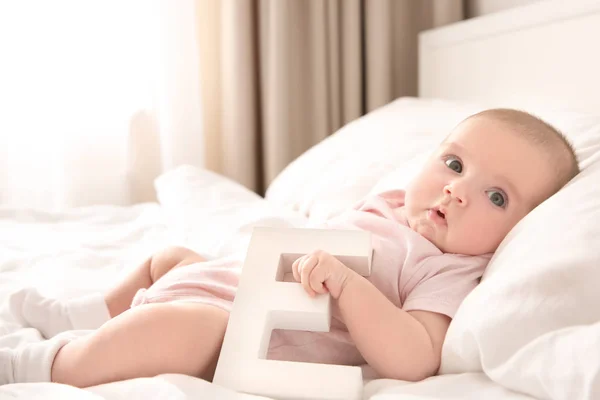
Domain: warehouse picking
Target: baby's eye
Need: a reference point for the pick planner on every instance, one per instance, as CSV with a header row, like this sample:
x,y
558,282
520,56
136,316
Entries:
x,y
497,197
454,164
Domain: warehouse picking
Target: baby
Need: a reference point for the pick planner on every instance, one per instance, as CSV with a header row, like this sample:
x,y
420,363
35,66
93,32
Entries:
x,y
431,245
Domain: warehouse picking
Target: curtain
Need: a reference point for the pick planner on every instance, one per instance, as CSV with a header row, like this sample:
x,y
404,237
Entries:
x,y
281,75
96,99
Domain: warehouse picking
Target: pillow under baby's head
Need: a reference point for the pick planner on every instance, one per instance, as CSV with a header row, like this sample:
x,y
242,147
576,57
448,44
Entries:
x,y
491,171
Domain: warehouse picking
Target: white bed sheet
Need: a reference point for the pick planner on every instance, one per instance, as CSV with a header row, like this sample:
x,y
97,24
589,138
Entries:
x,y
85,250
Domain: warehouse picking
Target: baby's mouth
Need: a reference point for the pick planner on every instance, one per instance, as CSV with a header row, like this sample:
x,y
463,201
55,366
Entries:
x,y
437,216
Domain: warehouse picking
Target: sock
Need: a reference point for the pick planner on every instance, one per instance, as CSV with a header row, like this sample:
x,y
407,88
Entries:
x,y
32,362
52,316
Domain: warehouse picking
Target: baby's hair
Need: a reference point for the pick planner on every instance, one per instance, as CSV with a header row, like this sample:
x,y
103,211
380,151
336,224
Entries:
x,y
543,134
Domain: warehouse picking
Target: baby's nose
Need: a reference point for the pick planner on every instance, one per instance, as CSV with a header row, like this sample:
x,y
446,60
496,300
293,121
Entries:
x,y
455,193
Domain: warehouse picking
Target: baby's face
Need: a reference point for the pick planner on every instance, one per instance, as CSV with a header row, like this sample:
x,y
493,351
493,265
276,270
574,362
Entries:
x,y
476,186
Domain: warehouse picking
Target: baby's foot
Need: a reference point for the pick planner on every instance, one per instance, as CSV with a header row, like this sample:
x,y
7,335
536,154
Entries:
x,y
32,362
51,316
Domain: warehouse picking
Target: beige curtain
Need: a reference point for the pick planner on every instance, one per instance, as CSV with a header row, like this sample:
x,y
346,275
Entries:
x,y
278,76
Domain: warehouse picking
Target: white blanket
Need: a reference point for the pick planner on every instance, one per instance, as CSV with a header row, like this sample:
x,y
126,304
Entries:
x,y
85,250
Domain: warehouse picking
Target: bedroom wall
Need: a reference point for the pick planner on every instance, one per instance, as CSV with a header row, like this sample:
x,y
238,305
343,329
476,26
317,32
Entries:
x,y
476,8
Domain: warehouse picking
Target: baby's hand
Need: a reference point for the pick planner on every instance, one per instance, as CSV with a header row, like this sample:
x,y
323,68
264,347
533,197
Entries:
x,y
320,272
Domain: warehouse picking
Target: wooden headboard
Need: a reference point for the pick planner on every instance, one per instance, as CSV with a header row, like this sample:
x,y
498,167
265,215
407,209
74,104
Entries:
x,y
545,54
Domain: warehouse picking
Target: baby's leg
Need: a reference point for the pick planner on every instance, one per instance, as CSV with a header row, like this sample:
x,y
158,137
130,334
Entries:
x,y
146,341
119,298
51,316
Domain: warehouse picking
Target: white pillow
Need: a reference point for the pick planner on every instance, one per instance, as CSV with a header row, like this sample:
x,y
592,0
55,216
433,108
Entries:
x,y
214,215
343,168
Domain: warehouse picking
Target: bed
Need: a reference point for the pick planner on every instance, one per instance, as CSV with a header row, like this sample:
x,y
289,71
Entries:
x,y
529,330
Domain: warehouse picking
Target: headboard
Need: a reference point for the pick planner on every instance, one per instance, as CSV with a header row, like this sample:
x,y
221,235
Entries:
x,y
542,54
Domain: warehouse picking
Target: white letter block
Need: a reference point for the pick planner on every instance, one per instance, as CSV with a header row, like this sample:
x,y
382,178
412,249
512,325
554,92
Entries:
x,y
263,303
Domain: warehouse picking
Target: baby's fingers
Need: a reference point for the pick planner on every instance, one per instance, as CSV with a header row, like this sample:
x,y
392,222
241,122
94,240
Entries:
x,y
316,281
295,268
305,268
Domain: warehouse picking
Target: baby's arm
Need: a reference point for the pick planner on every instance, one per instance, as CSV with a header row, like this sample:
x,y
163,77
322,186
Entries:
x,y
397,344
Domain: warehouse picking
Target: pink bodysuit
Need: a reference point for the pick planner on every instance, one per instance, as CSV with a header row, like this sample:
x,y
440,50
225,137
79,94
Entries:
x,y
407,268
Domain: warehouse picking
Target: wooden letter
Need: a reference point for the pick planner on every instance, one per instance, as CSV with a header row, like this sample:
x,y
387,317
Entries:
x,y
264,302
